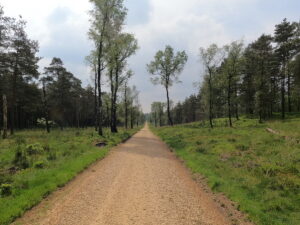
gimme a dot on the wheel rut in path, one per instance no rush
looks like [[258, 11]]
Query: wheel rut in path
[[139, 182]]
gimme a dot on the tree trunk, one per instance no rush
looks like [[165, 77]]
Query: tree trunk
[[229, 100], [46, 109], [236, 104], [126, 107], [210, 101], [13, 102], [4, 135], [168, 107], [283, 76], [100, 130], [160, 119], [283, 96], [289, 92], [113, 111], [131, 118], [96, 101]]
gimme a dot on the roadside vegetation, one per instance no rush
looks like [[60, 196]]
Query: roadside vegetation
[[34, 163], [254, 167]]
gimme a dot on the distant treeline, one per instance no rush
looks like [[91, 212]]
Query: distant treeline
[[259, 80], [55, 97]]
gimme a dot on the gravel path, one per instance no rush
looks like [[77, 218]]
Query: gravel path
[[139, 182]]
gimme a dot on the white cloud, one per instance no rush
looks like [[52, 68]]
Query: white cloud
[[60, 26]]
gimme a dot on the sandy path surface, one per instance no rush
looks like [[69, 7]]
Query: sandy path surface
[[139, 182]]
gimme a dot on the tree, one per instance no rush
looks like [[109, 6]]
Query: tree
[[157, 111], [45, 80], [107, 19], [211, 58], [22, 62], [247, 85], [166, 68], [4, 117], [4, 44], [134, 104], [123, 46], [92, 61], [126, 97], [232, 66], [64, 91], [263, 54], [285, 35]]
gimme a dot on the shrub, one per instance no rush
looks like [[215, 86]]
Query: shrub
[[21, 159], [39, 165], [46, 148], [20, 140], [242, 147], [5, 178], [52, 156], [34, 149], [5, 189], [199, 142], [201, 150], [231, 139], [213, 141]]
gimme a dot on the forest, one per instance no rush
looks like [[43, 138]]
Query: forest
[[52, 97], [240, 131], [260, 80], [227, 154], [52, 126]]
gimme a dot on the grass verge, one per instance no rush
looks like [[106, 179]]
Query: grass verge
[[257, 169], [33, 164]]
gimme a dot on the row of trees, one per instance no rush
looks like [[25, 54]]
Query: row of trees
[[259, 80], [53, 97], [112, 48]]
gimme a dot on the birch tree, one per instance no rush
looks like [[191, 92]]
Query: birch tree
[[165, 70]]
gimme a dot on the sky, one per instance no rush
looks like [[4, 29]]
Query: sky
[[61, 26]]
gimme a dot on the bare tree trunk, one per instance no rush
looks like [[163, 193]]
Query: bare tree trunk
[[168, 107], [289, 92], [229, 100], [100, 131], [4, 135], [126, 107], [96, 101], [160, 119], [12, 106], [236, 103], [210, 101], [131, 118], [113, 89], [283, 97], [46, 109], [283, 92]]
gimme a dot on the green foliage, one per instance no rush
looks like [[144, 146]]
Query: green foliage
[[5, 190], [257, 169], [39, 164], [34, 149], [21, 159]]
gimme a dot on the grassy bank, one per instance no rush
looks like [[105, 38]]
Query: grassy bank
[[255, 168], [33, 164]]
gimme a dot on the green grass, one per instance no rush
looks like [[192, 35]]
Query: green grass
[[53, 160], [258, 170]]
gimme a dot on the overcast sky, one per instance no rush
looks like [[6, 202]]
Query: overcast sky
[[61, 28]]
